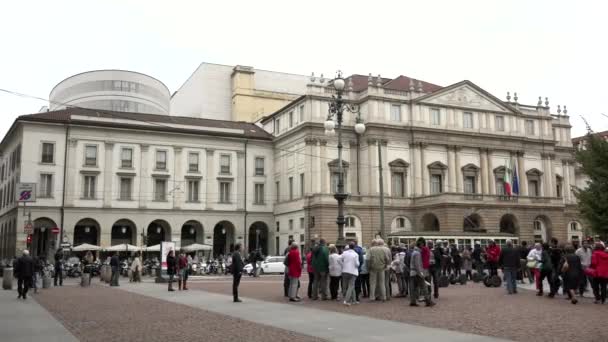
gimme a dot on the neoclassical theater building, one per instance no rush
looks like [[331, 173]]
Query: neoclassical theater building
[[239, 155]]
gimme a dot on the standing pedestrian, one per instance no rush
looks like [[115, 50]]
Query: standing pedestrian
[[546, 270], [171, 268], [115, 266], [335, 272], [136, 269], [397, 270], [358, 284], [418, 275], [286, 279], [320, 263], [237, 271], [556, 254], [523, 261], [434, 255], [311, 271], [294, 265], [509, 261], [477, 263], [572, 272], [467, 262], [584, 253], [364, 275], [492, 255], [350, 271], [599, 267], [378, 261], [182, 266], [387, 270], [58, 277], [534, 264], [24, 269]]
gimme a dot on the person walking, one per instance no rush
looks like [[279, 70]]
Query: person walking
[[115, 266], [526, 272], [509, 261], [171, 268], [584, 253], [24, 269], [572, 272], [546, 270], [237, 272], [311, 272], [534, 264], [58, 277], [350, 271], [556, 254], [294, 266], [136, 269], [335, 272], [467, 262], [492, 255], [320, 264], [434, 255], [599, 267], [418, 275], [378, 261]]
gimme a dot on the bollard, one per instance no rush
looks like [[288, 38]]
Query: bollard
[[7, 279], [46, 282], [85, 280]]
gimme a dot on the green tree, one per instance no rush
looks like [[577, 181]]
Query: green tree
[[593, 200]]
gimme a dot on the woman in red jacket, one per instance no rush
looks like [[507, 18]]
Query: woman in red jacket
[[294, 264], [599, 267], [492, 256]]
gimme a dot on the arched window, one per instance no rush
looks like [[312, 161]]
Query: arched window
[[401, 224]]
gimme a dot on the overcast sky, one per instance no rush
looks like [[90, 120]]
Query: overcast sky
[[536, 48]]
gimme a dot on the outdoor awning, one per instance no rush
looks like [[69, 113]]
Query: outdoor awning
[[123, 247], [86, 247], [197, 247]]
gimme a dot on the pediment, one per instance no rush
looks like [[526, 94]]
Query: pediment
[[466, 95]]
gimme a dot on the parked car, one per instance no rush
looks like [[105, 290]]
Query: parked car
[[272, 264]]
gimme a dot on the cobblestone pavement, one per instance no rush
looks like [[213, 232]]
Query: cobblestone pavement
[[472, 308], [100, 313]]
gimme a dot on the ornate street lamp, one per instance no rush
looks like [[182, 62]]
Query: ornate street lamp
[[336, 110]]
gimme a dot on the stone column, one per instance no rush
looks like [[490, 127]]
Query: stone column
[[108, 173], [316, 167], [416, 170], [424, 172], [451, 186], [179, 185], [240, 181], [551, 176], [566, 183], [372, 167], [310, 159], [385, 168], [353, 175], [210, 181], [72, 176], [547, 186], [523, 178], [483, 161], [145, 182], [459, 187], [490, 173], [324, 174], [572, 177]]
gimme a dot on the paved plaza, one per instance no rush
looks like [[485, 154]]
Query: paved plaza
[[147, 312]]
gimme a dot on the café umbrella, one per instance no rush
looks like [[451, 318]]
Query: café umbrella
[[86, 247], [123, 247], [197, 247]]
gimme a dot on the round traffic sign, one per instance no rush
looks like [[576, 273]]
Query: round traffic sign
[[55, 230]]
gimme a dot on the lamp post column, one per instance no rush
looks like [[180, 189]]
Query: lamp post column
[[340, 195]]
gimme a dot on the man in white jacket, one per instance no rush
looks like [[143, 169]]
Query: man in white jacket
[[350, 271]]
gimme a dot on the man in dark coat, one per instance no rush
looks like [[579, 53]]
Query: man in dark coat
[[509, 261], [286, 274], [237, 272], [25, 271], [171, 268], [58, 268], [115, 266]]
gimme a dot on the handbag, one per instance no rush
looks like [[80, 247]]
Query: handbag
[[532, 263]]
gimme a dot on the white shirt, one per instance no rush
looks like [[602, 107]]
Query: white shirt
[[535, 254], [350, 262], [585, 256], [335, 265]]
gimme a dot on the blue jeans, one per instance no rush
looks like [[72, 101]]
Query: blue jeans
[[511, 279]]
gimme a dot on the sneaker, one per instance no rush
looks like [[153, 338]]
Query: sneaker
[[293, 300], [430, 304], [347, 304], [357, 302]]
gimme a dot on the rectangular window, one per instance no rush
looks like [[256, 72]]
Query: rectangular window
[[193, 186], [436, 184], [126, 157], [90, 155], [193, 162], [301, 223], [161, 160], [530, 127], [395, 113], [225, 164], [48, 153], [335, 179], [467, 118], [290, 188], [400, 222], [160, 189], [89, 187], [500, 187], [558, 190], [469, 185], [277, 187], [224, 192], [350, 222], [500, 123], [290, 224], [259, 194], [301, 113], [46, 185], [302, 185], [125, 188], [533, 189], [435, 117], [278, 226], [277, 126], [398, 184], [290, 119], [259, 166]]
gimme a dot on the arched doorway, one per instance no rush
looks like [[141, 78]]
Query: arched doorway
[[43, 239], [430, 223], [123, 231], [508, 224], [472, 223], [223, 238], [157, 232], [258, 237], [192, 232], [542, 228], [87, 231]]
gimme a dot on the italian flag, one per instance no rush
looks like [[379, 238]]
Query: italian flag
[[507, 178]]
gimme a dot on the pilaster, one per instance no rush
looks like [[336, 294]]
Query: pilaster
[[483, 158], [145, 181], [210, 180], [240, 180], [72, 177], [108, 174], [180, 187], [523, 178]]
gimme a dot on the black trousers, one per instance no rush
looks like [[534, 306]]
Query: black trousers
[[493, 266], [334, 285], [358, 287], [433, 278], [236, 280], [286, 285], [365, 284], [599, 288], [58, 276], [311, 279], [23, 285]]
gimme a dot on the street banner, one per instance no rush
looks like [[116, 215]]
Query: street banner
[[165, 248]]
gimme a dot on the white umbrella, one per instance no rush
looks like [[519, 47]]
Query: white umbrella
[[155, 248], [123, 247], [197, 247], [86, 247]]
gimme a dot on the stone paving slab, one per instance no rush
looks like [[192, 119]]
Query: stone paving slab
[[27, 321], [319, 323]]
